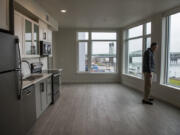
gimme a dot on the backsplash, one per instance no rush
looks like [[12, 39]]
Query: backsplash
[[43, 60]]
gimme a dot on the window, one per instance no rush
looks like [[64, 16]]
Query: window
[[83, 56], [138, 39], [83, 35], [135, 32], [103, 36], [172, 72], [98, 54], [103, 58], [135, 57]]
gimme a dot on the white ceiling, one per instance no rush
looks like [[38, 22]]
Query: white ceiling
[[104, 13]]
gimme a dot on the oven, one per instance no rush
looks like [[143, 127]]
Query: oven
[[55, 86], [56, 82]]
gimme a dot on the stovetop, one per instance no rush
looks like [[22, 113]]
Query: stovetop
[[53, 71]]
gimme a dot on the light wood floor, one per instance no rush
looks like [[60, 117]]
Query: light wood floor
[[106, 109]]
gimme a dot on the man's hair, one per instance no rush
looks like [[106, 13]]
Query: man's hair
[[153, 44]]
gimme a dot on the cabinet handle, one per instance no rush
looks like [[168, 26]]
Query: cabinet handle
[[42, 87]]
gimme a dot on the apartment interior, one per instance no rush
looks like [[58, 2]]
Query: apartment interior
[[75, 67]]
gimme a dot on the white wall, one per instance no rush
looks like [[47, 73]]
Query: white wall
[[165, 93], [65, 56]]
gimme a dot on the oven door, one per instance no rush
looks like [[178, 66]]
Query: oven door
[[56, 83]]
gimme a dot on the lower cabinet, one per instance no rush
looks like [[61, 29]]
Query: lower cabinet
[[43, 95]]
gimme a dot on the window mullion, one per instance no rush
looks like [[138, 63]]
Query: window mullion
[[167, 50], [144, 37], [127, 56], [89, 52]]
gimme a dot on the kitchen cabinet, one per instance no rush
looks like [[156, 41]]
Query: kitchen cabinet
[[49, 35], [30, 33], [38, 100], [43, 95], [19, 27], [31, 38], [41, 105], [43, 31], [27, 31], [4, 14]]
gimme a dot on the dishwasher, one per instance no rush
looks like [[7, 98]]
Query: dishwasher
[[28, 108]]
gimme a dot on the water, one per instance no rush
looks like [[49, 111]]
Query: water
[[174, 70]]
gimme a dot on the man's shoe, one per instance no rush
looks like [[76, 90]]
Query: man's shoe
[[147, 102], [151, 99]]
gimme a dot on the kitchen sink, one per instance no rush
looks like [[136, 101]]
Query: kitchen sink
[[32, 77]]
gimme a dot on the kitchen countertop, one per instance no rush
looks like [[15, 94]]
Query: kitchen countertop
[[27, 83]]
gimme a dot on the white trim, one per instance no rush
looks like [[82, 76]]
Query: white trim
[[171, 11], [90, 41], [133, 76], [95, 73], [125, 46], [170, 86], [165, 57]]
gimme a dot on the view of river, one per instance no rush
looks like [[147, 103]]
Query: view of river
[[174, 70]]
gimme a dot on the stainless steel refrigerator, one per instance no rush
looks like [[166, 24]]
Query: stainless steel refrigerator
[[10, 86]]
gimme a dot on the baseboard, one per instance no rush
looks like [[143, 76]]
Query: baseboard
[[156, 97]]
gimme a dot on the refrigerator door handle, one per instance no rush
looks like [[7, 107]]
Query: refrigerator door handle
[[18, 54], [19, 90], [18, 69]]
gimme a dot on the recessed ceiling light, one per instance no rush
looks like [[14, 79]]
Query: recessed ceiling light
[[63, 11]]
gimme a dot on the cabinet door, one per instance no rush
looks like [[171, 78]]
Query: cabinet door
[[36, 40], [4, 14], [49, 91], [49, 35], [18, 25], [28, 38], [43, 31], [43, 95], [38, 100]]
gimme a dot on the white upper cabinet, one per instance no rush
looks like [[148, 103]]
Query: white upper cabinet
[[45, 32], [49, 35], [31, 38], [28, 33], [4, 14], [19, 28]]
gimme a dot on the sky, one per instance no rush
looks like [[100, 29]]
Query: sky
[[175, 33]]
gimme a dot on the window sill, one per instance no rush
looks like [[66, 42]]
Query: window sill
[[170, 86], [133, 76], [97, 73]]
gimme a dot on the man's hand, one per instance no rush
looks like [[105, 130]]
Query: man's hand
[[150, 74]]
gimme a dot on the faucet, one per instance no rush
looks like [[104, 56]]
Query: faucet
[[29, 65]]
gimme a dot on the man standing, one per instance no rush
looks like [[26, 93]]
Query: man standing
[[148, 69]]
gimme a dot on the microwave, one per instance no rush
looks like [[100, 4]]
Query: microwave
[[45, 48]]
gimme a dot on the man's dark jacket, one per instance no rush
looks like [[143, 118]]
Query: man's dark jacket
[[148, 61]]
